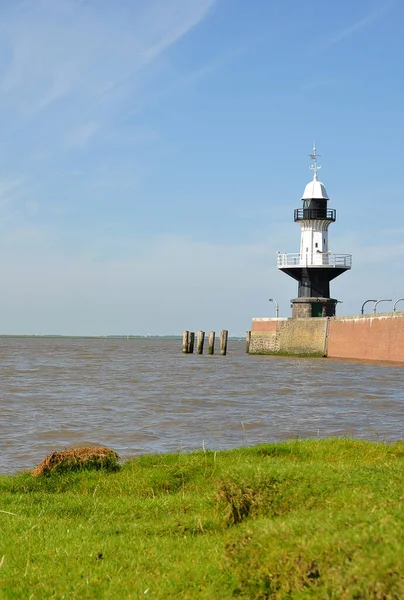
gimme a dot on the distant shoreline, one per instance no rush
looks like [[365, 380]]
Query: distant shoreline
[[98, 337], [95, 337]]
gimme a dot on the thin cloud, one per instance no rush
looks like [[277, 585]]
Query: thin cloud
[[80, 137], [64, 49], [72, 69], [357, 26], [9, 185], [59, 60]]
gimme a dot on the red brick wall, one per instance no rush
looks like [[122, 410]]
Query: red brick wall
[[264, 325], [367, 338]]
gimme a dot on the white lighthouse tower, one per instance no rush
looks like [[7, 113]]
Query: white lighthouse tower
[[314, 266]]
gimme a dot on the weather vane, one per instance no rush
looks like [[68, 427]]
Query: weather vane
[[314, 167]]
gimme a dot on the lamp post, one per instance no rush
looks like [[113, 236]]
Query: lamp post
[[363, 305], [378, 302], [396, 302], [276, 306]]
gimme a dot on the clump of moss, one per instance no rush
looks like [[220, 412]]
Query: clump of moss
[[239, 500], [78, 459]]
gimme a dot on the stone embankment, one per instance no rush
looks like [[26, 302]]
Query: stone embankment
[[378, 337]]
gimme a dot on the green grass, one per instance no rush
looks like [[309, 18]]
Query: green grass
[[302, 519]]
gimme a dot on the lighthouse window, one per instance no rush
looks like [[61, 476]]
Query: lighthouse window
[[324, 240], [316, 245]]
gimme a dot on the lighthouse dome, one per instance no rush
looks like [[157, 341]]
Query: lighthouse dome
[[315, 190]]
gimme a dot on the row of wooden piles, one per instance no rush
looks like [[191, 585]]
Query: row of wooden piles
[[188, 341]]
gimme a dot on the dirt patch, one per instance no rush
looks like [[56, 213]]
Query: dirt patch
[[77, 459]]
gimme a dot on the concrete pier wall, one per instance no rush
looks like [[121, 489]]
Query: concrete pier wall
[[289, 336], [377, 337]]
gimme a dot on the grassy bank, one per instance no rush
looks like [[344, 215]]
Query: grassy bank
[[303, 519]]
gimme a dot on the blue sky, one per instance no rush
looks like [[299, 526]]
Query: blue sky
[[152, 153]]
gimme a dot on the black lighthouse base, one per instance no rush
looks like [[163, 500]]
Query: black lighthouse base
[[314, 282], [305, 307]]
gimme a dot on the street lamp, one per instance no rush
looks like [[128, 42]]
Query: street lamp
[[276, 306], [363, 305], [378, 302], [396, 302]]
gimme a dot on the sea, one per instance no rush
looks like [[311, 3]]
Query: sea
[[141, 396]]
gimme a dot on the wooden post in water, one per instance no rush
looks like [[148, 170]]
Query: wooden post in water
[[191, 340], [223, 342], [247, 342], [211, 343], [185, 342], [200, 342]]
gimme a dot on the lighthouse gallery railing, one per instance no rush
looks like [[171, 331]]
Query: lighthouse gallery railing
[[317, 259], [315, 214]]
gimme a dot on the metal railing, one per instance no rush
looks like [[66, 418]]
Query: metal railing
[[315, 214], [317, 259]]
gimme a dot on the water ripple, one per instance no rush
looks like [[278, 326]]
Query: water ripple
[[145, 396]]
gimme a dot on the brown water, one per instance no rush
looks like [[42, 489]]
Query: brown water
[[141, 396]]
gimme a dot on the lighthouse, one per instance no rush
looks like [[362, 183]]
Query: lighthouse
[[315, 265]]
